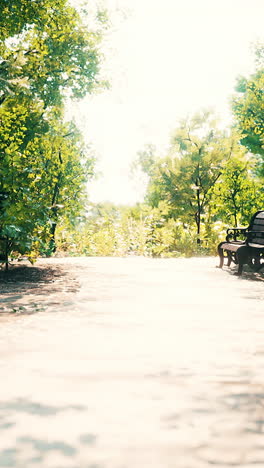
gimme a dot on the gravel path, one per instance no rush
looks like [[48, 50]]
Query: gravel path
[[131, 363]]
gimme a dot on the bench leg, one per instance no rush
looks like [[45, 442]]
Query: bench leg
[[229, 258], [242, 258], [221, 256]]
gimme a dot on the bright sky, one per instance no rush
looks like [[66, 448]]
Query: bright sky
[[165, 59]]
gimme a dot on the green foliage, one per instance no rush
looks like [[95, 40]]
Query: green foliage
[[248, 107], [185, 177], [141, 230], [43, 178], [45, 54], [46, 51], [237, 195]]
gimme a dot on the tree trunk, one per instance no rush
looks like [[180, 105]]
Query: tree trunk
[[52, 242], [235, 216], [6, 252], [198, 215]]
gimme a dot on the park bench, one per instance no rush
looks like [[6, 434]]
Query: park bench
[[244, 245]]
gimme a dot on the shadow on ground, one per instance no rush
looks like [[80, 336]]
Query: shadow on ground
[[28, 289], [29, 449], [22, 278], [247, 274]]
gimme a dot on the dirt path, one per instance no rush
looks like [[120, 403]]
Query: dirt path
[[131, 363]]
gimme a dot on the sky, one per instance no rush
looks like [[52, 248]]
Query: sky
[[165, 59]]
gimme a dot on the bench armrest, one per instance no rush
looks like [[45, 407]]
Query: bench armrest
[[234, 233]]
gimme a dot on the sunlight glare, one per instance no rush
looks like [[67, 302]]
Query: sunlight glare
[[164, 60]]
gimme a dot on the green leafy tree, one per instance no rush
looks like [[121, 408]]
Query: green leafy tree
[[46, 53], [237, 194], [185, 177], [42, 184], [248, 107]]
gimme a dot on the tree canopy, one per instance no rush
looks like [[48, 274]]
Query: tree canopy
[[248, 107], [46, 50]]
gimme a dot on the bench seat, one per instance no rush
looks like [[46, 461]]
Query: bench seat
[[232, 246]]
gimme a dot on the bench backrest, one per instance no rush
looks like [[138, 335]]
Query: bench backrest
[[257, 224]]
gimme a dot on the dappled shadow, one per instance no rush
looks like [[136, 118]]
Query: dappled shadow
[[43, 446], [250, 427], [250, 403], [26, 289], [247, 274], [29, 451], [235, 424], [253, 276], [27, 448], [22, 405], [21, 278]]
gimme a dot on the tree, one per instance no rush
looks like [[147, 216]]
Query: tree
[[248, 107], [45, 54], [46, 51], [43, 183], [185, 177], [236, 195]]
